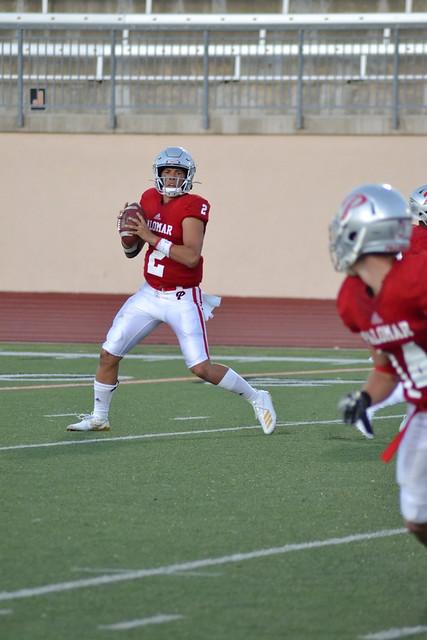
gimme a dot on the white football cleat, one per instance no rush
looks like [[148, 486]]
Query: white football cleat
[[264, 411], [365, 428], [90, 423]]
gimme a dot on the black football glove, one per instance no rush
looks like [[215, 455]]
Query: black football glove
[[353, 410]]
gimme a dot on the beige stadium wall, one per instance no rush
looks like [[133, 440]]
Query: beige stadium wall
[[272, 198]]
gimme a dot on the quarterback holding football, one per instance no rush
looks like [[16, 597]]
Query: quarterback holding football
[[171, 222]]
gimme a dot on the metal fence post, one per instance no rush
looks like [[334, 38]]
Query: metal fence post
[[300, 103], [395, 105], [113, 119], [20, 69], [206, 80]]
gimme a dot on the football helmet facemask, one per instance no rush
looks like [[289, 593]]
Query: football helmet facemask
[[174, 157], [418, 204], [374, 218]]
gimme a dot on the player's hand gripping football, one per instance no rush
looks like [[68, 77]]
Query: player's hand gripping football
[[132, 242], [135, 223], [353, 410], [129, 217]]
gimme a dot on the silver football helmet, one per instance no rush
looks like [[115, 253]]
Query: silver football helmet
[[418, 204], [174, 157], [374, 218]]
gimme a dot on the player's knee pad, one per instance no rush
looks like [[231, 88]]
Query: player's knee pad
[[114, 342]]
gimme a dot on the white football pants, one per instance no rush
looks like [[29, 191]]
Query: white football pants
[[411, 468], [181, 309]]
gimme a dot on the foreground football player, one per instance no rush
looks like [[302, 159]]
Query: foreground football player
[[385, 300], [173, 226], [418, 209]]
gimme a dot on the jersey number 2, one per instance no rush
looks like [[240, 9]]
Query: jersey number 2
[[153, 265]]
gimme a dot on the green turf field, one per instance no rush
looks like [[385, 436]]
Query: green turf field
[[187, 522]]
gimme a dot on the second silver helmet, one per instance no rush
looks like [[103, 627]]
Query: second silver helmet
[[418, 203], [374, 218]]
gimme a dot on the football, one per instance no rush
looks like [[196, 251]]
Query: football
[[129, 239]]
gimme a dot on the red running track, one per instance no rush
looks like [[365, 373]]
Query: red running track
[[267, 322]]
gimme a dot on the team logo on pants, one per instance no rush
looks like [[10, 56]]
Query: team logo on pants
[[179, 294]]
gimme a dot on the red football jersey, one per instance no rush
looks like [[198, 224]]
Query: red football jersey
[[395, 321], [165, 220], [418, 239]]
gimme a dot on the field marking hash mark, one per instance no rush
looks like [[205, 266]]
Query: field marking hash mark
[[160, 618]]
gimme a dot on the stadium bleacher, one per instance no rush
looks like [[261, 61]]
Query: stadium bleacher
[[295, 62], [215, 6]]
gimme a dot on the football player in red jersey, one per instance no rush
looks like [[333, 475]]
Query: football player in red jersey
[[385, 301], [173, 227], [418, 209]]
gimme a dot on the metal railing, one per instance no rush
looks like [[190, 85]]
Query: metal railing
[[203, 65]]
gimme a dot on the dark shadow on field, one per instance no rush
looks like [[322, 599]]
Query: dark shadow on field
[[346, 449]]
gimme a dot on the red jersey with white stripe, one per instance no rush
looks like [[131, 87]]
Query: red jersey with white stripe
[[165, 220], [418, 239], [394, 322]]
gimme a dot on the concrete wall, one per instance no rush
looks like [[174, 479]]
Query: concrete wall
[[261, 123], [272, 199]]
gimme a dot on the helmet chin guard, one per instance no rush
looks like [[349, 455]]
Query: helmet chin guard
[[373, 219], [177, 158]]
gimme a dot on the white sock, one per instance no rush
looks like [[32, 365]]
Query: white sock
[[102, 394], [236, 384]]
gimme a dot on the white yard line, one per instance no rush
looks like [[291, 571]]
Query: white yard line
[[149, 436], [392, 634], [103, 570], [59, 587], [161, 618], [191, 418], [48, 377], [165, 357], [64, 443], [5, 612], [72, 385]]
